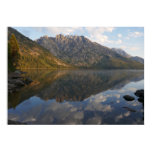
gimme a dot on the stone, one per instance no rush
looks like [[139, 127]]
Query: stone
[[11, 81], [128, 98], [16, 81], [17, 72], [19, 83], [15, 76], [139, 93], [28, 81], [141, 99], [11, 86]]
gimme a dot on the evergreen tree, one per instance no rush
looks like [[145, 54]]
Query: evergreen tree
[[10, 62], [13, 51]]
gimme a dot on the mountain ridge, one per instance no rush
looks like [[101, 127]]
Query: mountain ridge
[[123, 53], [82, 52]]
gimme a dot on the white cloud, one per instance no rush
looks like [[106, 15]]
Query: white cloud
[[134, 48], [136, 34], [123, 47], [63, 30], [97, 34], [118, 42], [99, 29], [119, 35], [53, 31]]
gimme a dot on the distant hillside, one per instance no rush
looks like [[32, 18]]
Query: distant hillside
[[138, 59], [33, 55], [81, 52], [123, 53]]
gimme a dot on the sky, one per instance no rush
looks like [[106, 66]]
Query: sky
[[130, 39]]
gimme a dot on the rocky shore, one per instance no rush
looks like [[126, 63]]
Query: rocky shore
[[138, 93], [16, 80]]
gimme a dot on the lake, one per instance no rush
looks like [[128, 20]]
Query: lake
[[78, 97]]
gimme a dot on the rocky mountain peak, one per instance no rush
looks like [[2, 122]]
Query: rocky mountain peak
[[82, 52], [71, 38], [59, 36]]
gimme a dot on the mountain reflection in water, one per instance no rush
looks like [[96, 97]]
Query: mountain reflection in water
[[78, 97]]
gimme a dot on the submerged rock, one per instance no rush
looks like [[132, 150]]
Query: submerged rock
[[128, 98], [129, 109]]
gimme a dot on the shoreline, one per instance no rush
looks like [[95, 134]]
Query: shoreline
[[16, 80]]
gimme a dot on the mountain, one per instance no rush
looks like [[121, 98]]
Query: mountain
[[81, 52], [33, 55], [138, 59], [123, 53]]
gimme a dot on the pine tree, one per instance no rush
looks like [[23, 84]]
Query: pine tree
[[10, 62], [13, 50]]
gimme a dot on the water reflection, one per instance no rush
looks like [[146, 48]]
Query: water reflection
[[78, 97]]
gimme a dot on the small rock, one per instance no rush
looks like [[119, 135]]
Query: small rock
[[19, 83], [17, 72], [141, 99], [128, 98], [11, 86], [11, 81], [27, 81], [16, 76], [139, 93]]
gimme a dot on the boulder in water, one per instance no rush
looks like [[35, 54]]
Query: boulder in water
[[139, 93], [128, 98]]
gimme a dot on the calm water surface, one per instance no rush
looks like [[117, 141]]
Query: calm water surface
[[78, 97]]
